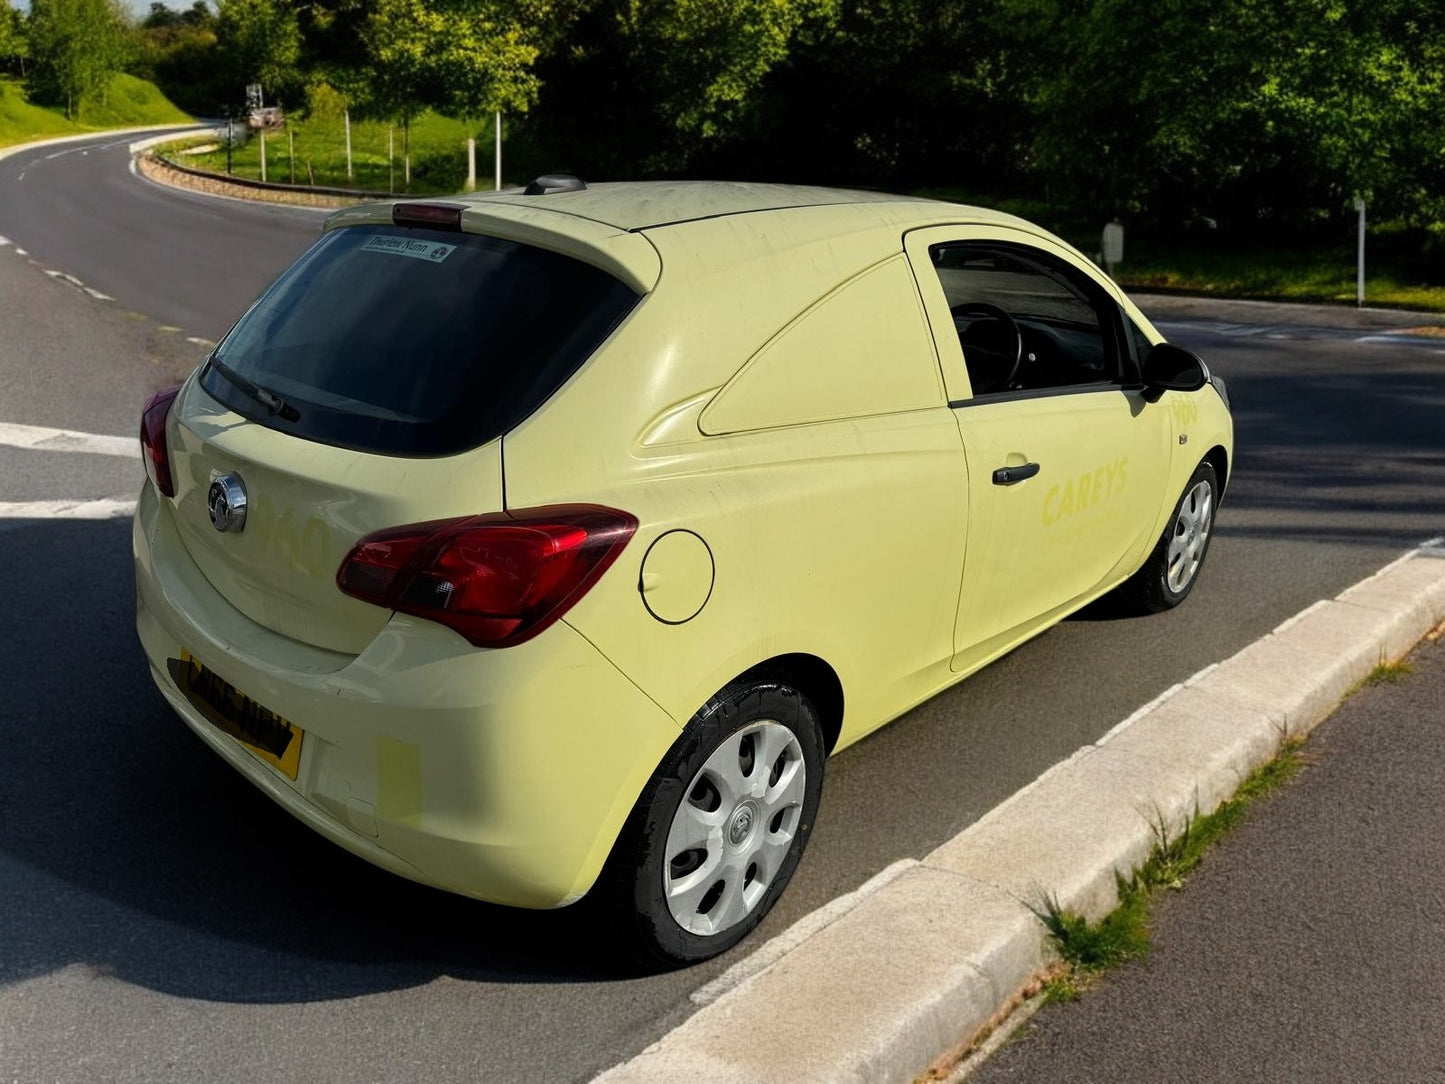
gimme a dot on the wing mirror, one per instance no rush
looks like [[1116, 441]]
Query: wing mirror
[[1172, 368]]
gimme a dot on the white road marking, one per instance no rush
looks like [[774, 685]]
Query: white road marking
[[199, 341], [100, 508], [93, 292], [21, 252], [44, 439], [4, 241], [61, 276]]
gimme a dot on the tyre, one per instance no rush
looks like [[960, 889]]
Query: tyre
[[1173, 567], [715, 836]]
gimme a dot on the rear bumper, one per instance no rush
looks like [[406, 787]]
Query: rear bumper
[[504, 775]]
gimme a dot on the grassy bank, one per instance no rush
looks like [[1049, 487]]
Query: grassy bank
[[127, 102], [1314, 275], [312, 151], [1225, 265]]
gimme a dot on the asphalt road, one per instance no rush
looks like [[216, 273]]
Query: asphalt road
[[160, 920], [188, 261], [1308, 946]]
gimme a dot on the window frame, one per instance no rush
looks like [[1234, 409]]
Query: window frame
[[1052, 260]]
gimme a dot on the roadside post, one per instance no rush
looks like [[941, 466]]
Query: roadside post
[[262, 133], [291, 151], [471, 163], [1113, 244], [230, 139], [346, 119], [1360, 257], [498, 141]]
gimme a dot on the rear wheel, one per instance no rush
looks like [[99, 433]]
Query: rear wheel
[[715, 837], [1173, 567]]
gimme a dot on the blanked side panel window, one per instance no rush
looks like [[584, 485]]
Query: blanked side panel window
[[864, 349]]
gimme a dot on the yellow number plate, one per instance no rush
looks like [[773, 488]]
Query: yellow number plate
[[270, 737]]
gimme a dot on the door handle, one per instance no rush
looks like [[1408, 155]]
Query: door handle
[[1007, 476]]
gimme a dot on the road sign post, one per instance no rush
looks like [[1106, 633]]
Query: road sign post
[[1113, 245], [1360, 257]]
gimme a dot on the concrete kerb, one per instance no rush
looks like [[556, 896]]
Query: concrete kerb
[[925, 962]]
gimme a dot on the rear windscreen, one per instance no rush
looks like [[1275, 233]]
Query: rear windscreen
[[413, 342]]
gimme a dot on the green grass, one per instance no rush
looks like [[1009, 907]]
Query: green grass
[[1088, 948], [1225, 266], [130, 102], [20, 121], [438, 155], [1386, 673], [1313, 275], [127, 102]]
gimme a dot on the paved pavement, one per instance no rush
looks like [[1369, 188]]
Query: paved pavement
[[1309, 946]]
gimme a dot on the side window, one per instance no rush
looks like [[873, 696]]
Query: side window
[[1027, 322]]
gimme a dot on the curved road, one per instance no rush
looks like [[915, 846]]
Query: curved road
[[161, 920], [190, 261]]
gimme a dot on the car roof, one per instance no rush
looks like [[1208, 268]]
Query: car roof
[[622, 226], [645, 205]]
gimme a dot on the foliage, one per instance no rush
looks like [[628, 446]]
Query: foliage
[[464, 57], [1247, 112], [259, 41], [649, 85], [77, 45], [14, 45], [177, 51]]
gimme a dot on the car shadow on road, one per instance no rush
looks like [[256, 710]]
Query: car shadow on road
[[128, 847]]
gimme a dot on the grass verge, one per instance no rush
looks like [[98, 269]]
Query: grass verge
[[126, 103], [312, 151], [1320, 275], [1089, 948]]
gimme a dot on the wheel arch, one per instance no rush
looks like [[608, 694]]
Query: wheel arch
[[1218, 458], [813, 677]]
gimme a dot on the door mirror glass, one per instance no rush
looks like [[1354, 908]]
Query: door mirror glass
[[1173, 368]]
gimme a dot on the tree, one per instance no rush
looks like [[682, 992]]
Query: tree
[[464, 57], [14, 46], [178, 52], [1252, 112], [77, 45], [259, 41], [652, 84]]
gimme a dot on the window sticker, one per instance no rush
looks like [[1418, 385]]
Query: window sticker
[[430, 251]]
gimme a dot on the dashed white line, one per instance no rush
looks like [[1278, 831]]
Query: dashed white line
[[93, 292], [62, 276], [42, 438]]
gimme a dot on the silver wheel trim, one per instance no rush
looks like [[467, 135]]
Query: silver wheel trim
[[1191, 534], [733, 828]]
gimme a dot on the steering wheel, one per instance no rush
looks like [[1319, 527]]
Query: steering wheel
[[1009, 361]]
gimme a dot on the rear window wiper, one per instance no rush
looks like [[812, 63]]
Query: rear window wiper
[[268, 399]]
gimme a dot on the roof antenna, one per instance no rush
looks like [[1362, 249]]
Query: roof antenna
[[548, 183]]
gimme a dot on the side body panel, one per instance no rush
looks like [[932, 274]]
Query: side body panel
[[841, 538]]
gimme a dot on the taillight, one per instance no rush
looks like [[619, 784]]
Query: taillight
[[497, 579], [153, 439]]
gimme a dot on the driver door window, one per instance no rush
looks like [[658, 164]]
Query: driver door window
[[1024, 324]]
